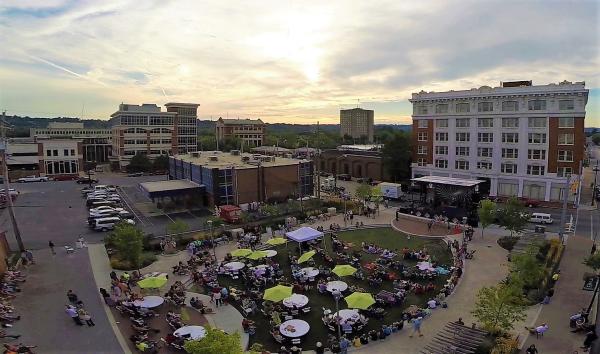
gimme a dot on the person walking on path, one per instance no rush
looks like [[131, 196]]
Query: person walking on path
[[29, 256], [217, 298], [85, 316], [51, 245], [416, 323], [531, 350], [72, 312], [593, 249]]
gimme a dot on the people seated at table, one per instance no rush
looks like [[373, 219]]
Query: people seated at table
[[364, 339], [429, 287], [418, 289], [173, 339], [249, 326], [432, 304], [198, 304], [397, 326], [373, 336]]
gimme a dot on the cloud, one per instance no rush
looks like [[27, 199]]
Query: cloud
[[293, 60]]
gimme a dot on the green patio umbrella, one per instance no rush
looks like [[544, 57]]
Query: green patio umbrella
[[257, 255], [277, 293], [306, 256], [152, 282], [344, 270], [359, 300], [242, 252], [276, 241]]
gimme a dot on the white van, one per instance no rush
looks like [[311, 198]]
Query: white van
[[105, 224], [541, 218]]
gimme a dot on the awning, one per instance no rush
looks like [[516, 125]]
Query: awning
[[170, 188], [448, 181], [304, 234]]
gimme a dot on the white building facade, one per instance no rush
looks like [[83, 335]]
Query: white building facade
[[524, 140]]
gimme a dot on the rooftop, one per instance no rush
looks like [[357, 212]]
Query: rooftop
[[177, 104], [241, 121], [366, 147], [168, 186], [219, 159], [448, 181]]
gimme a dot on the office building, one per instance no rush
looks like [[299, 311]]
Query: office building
[[146, 129], [357, 161], [250, 131], [523, 140], [240, 178], [358, 124], [96, 142]]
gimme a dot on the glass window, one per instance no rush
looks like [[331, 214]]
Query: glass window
[[462, 151], [422, 150], [484, 152], [510, 122], [565, 105], [441, 163], [537, 138], [461, 165], [441, 150], [423, 123], [463, 107], [421, 109], [441, 108], [485, 106], [537, 105], [485, 122], [484, 165], [48, 152], [566, 139], [535, 154], [463, 137], [565, 155], [66, 152], [510, 153], [564, 171], [566, 122], [421, 162], [422, 136], [537, 122], [509, 168], [441, 136], [510, 137], [510, 106], [535, 170], [441, 123], [55, 152], [72, 152], [462, 122], [485, 137]]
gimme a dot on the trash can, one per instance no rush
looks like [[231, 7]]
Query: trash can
[[540, 229]]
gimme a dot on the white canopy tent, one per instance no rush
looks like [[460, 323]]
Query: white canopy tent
[[304, 234]]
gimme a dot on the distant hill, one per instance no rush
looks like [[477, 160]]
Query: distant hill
[[21, 125], [304, 128]]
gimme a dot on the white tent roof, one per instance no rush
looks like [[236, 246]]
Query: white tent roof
[[303, 234]]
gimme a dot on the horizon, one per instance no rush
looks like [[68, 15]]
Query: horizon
[[285, 62]]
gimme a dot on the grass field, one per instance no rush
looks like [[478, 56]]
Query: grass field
[[383, 237]]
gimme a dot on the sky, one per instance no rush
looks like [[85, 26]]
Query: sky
[[285, 61]]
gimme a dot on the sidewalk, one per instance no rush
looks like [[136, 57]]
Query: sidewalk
[[568, 299]]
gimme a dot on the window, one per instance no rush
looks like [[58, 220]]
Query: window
[[510, 137], [485, 106], [441, 136], [421, 162], [535, 170], [441, 108], [441, 150], [510, 106], [534, 154], [510, 122], [55, 152], [462, 122], [564, 171], [485, 152], [441, 163], [157, 120], [484, 165], [129, 142], [422, 136], [72, 152], [566, 139], [463, 107], [66, 152], [485, 122], [565, 155], [461, 165], [510, 153], [48, 153], [566, 122], [422, 123], [509, 168], [565, 105], [537, 123], [463, 136], [462, 151], [421, 109], [485, 137], [141, 141], [441, 123], [537, 105], [537, 138], [422, 150]]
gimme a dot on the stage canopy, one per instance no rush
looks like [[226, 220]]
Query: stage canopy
[[304, 234]]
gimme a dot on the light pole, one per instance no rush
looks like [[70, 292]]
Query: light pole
[[345, 197], [212, 240], [336, 296], [596, 169]]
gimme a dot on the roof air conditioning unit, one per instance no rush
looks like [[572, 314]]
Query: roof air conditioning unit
[[235, 152], [245, 158], [195, 154], [213, 158]]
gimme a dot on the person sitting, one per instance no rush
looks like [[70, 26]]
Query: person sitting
[[248, 325], [373, 335], [364, 339], [387, 330], [432, 304], [430, 287]]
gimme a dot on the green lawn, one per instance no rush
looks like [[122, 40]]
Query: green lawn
[[384, 237]]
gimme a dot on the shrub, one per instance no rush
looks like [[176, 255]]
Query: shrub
[[508, 242]]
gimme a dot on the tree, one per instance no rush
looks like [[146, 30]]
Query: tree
[[512, 216], [499, 307], [525, 268], [129, 241], [596, 139], [593, 261], [487, 214], [363, 191], [161, 163], [396, 155], [215, 341], [178, 227], [139, 163]]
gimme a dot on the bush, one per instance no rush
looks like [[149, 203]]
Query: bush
[[508, 242], [118, 263]]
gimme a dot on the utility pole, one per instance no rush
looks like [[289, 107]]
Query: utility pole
[[563, 214], [11, 211], [317, 159]]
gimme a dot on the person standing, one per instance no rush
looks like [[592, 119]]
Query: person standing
[[344, 345], [416, 323], [72, 312], [51, 245], [531, 350], [29, 256], [217, 298], [593, 249]]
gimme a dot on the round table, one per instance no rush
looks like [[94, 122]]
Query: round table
[[296, 300], [294, 328], [234, 266], [149, 302], [310, 272], [348, 314], [336, 285], [271, 253], [195, 332]]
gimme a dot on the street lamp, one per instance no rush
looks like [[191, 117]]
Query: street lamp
[[345, 197], [212, 240], [596, 169], [337, 295]]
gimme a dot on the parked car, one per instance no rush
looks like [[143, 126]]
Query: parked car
[[33, 179], [530, 203], [64, 177], [105, 224], [11, 191], [135, 174], [85, 180], [344, 177], [102, 208], [541, 218]]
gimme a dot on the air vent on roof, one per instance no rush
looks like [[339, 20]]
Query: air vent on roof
[[213, 158], [235, 152], [195, 154], [265, 158], [245, 158]]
